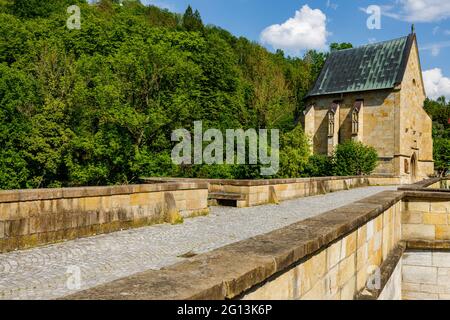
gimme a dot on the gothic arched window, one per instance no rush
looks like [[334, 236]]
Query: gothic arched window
[[330, 123]]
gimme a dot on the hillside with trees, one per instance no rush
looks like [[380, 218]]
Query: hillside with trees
[[96, 106]]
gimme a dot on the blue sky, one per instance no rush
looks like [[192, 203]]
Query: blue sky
[[316, 23]]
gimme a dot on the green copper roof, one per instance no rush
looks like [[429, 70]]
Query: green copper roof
[[370, 67]]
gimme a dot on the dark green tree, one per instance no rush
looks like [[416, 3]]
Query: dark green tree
[[192, 20]]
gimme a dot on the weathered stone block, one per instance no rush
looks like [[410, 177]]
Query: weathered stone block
[[362, 236], [411, 217], [443, 232], [440, 206], [348, 291], [441, 260], [331, 283], [418, 231], [346, 270], [420, 274], [410, 295], [92, 204], [350, 244], [2, 229], [407, 286], [334, 254], [317, 292], [362, 255], [435, 218], [418, 206], [417, 258]]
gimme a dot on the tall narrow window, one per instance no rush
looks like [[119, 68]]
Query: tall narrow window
[[355, 117], [330, 123], [331, 117], [355, 122]]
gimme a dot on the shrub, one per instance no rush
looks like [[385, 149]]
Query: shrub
[[294, 153], [354, 158], [319, 166]]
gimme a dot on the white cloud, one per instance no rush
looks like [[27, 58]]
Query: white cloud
[[332, 5], [420, 10], [436, 85], [436, 48], [306, 30]]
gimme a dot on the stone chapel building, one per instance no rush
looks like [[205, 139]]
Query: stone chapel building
[[374, 94]]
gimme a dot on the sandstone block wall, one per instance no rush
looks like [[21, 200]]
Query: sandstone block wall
[[257, 193], [426, 219], [34, 217], [342, 270], [426, 275]]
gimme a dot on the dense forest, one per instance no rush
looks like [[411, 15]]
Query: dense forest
[[97, 105]]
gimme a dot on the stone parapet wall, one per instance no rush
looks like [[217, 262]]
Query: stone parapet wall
[[426, 216], [258, 192], [34, 217], [328, 256], [343, 269]]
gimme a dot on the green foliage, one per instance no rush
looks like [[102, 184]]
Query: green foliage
[[319, 166], [39, 8], [340, 46], [294, 153], [192, 20], [439, 112], [354, 158], [97, 106], [442, 155]]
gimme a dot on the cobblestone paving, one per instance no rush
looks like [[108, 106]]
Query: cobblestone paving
[[50, 272]]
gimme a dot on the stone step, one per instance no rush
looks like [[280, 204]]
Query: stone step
[[226, 199], [226, 196]]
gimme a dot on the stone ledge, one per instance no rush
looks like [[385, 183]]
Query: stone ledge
[[422, 185], [427, 194], [67, 193], [251, 183], [228, 272], [428, 245]]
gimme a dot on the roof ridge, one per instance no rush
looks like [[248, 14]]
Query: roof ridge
[[370, 44]]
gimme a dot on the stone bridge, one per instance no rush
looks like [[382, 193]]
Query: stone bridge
[[261, 251]]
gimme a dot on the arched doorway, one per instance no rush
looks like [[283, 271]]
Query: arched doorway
[[413, 167]]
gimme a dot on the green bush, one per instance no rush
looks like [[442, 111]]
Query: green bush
[[442, 155], [294, 153], [354, 158], [319, 166]]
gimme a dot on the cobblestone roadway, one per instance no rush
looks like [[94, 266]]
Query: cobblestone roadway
[[48, 272]]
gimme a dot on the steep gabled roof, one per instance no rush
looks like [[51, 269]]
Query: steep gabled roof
[[370, 67]]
